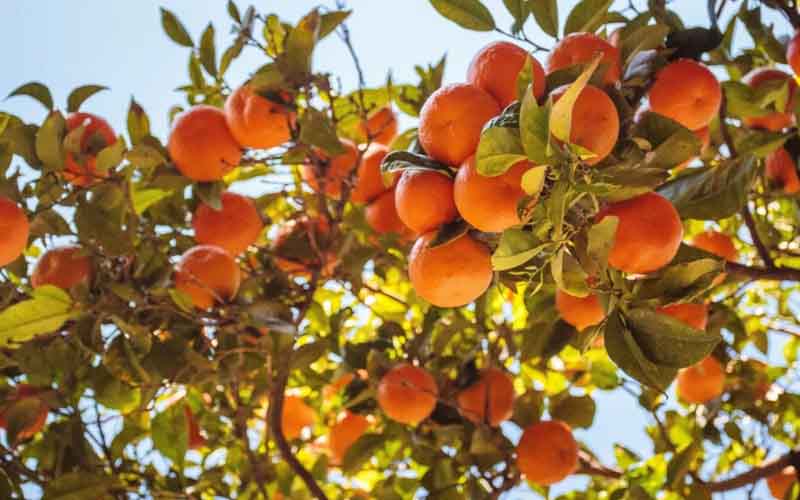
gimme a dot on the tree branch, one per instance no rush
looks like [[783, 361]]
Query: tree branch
[[756, 473], [763, 251], [788, 9], [762, 273]]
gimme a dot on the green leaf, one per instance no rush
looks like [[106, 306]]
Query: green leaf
[[308, 353], [38, 91], [516, 247], [577, 411], [111, 156], [174, 29], [80, 94], [534, 128], [601, 239], [683, 279], [524, 79], [80, 486], [532, 181], [741, 101], [145, 198], [499, 148], [331, 20], [101, 219], [519, 11], [671, 142], [528, 408], [626, 353], [295, 61], [712, 192], [144, 156], [233, 11], [361, 451], [208, 51], [50, 142], [587, 15], [317, 129], [760, 143], [196, 72], [210, 193], [546, 14], [46, 311], [229, 55], [667, 341], [647, 37], [115, 394], [561, 115], [469, 14], [681, 463], [170, 433], [138, 123]]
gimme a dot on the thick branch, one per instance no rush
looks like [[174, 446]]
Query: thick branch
[[760, 273], [755, 474]]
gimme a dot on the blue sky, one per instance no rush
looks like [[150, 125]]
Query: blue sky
[[119, 44]]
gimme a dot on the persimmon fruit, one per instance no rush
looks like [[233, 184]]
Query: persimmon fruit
[[595, 122], [382, 215], [407, 394], [202, 146], [775, 120], [547, 452], [296, 416], [489, 203], [369, 182], [424, 199], [687, 92], [296, 245], [580, 312], [233, 228], [348, 428], [15, 229], [694, 315], [380, 126], [720, 244], [582, 48], [335, 173], [782, 171], [779, 484], [81, 169], [64, 267], [255, 121], [490, 399], [208, 275], [701, 382], [496, 67]]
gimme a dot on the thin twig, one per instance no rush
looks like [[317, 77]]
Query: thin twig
[[763, 251]]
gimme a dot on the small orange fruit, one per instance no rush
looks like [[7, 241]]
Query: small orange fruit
[[336, 172], [15, 230], [547, 452], [381, 126], [702, 382], [493, 392], [580, 312], [208, 274], [720, 244], [234, 228], [489, 203], [648, 234], [255, 121], [202, 146], [782, 170], [81, 170], [369, 179], [64, 267], [688, 92], [407, 394], [779, 484], [348, 428], [450, 275], [774, 121], [595, 121], [451, 121], [424, 199], [694, 315], [382, 216], [582, 48], [296, 416], [495, 69]]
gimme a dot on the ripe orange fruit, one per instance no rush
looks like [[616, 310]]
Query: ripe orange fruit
[[793, 53], [489, 203], [781, 170], [195, 440], [779, 484], [296, 416], [720, 244], [381, 126], [208, 274], [595, 121], [15, 230], [369, 179], [295, 251], [581, 48], [234, 228], [580, 312], [336, 172], [348, 428], [451, 121], [202, 146], [686, 91], [694, 315], [547, 452], [705, 140], [35, 409], [701, 382], [255, 121], [81, 170], [494, 391], [64, 267], [495, 69], [407, 394], [450, 275], [382, 216], [776, 120], [648, 234], [424, 199]]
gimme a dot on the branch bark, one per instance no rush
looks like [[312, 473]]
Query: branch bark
[[762, 273]]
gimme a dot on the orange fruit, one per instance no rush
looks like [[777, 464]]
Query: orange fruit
[[208, 274], [336, 171], [369, 179], [407, 394], [255, 121], [648, 236], [494, 391], [779, 484], [582, 48], [580, 312], [296, 252], [686, 91], [705, 140], [451, 121], [450, 275], [196, 439], [595, 121], [382, 216], [782, 171], [25, 394], [701, 382], [348, 428], [720, 244], [775, 120], [547, 452], [495, 69], [793, 53], [81, 170], [15, 230], [381, 126], [202, 146], [64, 267], [694, 315], [296, 416], [424, 199], [489, 203], [234, 228]]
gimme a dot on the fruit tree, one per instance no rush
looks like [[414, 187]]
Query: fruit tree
[[415, 289]]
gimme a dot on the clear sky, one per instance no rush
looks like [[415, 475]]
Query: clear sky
[[120, 44]]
